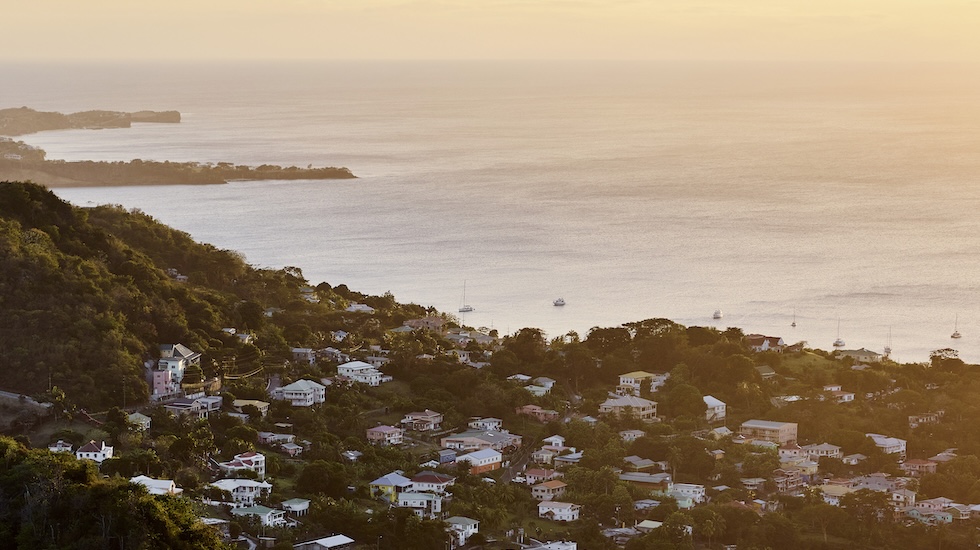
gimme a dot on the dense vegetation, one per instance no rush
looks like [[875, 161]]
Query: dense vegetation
[[52, 500]]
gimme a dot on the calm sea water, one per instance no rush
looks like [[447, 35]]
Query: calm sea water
[[843, 194]]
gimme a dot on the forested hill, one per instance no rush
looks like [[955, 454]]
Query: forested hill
[[88, 295]]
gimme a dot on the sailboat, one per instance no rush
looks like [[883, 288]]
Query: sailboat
[[888, 347], [718, 314], [956, 333], [793, 324], [838, 343], [464, 308]]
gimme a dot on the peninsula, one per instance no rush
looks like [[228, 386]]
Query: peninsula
[[20, 161]]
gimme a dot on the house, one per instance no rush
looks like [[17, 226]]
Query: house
[[388, 486], [477, 439], [431, 482], [629, 436], [781, 433], [555, 442], [916, 467], [519, 378], [240, 404], [558, 511], [250, 461], [157, 486], [333, 542], [833, 493], [637, 464], [446, 456], [657, 483], [431, 322], [292, 449], [296, 506], [139, 421], [537, 391], [861, 355], [766, 372], [385, 435], [539, 414], [60, 447], [90, 451], [270, 438], [486, 424], [424, 421], [362, 372], [268, 517], [462, 528], [545, 382], [715, 409], [889, 445], [303, 355], [548, 490], [692, 491], [630, 406], [854, 459], [533, 476], [816, 452], [243, 491], [566, 460], [629, 383], [424, 505], [169, 373], [787, 480], [484, 460], [199, 406], [917, 420], [760, 343], [720, 433], [544, 455], [359, 308], [301, 393]]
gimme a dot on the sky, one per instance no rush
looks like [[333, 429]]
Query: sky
[[824, 30]]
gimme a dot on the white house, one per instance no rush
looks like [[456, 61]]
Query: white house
[[815, 452], [462, 528], [243, 491], [425, 505], [889, 445], [428, 481], [333, 542], [362, 372], [60, 447], [715, 411], [246, 461], [296, 506], [91, 451], [140, 421], [484, 460], [692, 491], [489, 424], [629, 383], [157, 486], [558, 511], [269, 517], [301, 393], [174, 360], [385, 435]]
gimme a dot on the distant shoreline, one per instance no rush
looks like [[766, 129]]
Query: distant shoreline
[[22, 162]]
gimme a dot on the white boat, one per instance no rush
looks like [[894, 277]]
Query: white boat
[[464, 308], [956, 333], [793, 324], [559, 302], [718, 314], [888, 347], [838, 343]]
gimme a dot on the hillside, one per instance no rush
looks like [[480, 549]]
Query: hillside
[[87, 298]]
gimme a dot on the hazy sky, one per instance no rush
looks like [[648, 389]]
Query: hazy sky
[[491, 29]]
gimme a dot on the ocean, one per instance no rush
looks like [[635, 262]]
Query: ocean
[[844, 197]]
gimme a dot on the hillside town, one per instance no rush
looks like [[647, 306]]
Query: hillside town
[[285, 415]]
